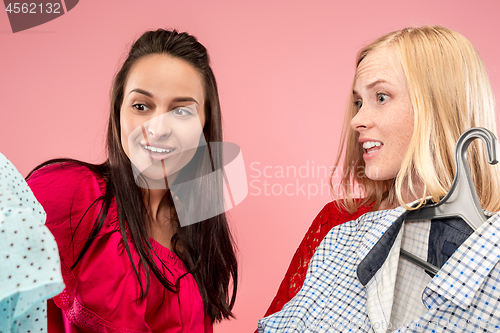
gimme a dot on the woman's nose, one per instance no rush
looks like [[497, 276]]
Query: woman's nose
[[362, 120], [158, 127]]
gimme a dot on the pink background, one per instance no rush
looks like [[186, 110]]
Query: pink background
[[284, 70]]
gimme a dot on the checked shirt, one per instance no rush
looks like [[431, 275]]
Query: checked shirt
[[350, 283]]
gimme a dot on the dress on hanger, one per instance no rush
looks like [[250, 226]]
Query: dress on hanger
[[29, 261]]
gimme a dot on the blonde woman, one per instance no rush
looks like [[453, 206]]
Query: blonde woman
[[415, 92]]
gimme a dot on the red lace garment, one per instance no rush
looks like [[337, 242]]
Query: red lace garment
[[329, 217]]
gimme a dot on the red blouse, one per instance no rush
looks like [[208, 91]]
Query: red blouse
[[329, 217], [102, 292]]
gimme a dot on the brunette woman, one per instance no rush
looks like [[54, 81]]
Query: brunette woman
[[130, 262]]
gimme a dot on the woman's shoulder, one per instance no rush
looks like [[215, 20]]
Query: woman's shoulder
[[341, 223], [68, 171], [332, 215], [65, 189], [335, 212], [64, 179]]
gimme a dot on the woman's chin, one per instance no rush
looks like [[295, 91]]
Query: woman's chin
[[151, 183], [155, 179]]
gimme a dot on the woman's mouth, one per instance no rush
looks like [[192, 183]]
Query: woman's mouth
[[157, 153], [372, 146]]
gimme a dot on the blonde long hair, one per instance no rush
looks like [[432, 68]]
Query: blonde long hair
[[450, 92]]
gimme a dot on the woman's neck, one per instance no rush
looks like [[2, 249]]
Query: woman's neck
[[152, 200], [408, 196], [160, 224]]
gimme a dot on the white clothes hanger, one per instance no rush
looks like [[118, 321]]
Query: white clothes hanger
[[461, 200]]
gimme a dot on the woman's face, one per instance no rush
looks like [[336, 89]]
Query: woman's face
[[162, 115], [384, 119]]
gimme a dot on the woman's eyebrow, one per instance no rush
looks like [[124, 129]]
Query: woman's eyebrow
[[140, 91], [184, 99], [175, 100], [371, 85], [374, 83]]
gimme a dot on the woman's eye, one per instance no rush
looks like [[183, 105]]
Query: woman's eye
[[358, 104], [382, 98], [140, 107], [182, 112]]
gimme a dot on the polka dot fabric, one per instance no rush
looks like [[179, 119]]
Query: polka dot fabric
[[29, 261]]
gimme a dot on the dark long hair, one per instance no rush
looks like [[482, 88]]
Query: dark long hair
[[208, 249]]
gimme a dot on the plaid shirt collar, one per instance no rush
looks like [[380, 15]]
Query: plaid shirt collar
[[378, 241]]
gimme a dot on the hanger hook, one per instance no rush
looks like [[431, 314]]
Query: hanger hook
[[463, 191], [461, 200], [490, 142]]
